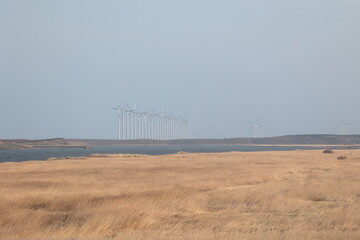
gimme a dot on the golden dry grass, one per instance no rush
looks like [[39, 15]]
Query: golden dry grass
[[264, 195]]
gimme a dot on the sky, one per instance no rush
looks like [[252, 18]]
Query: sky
[[294, 65]]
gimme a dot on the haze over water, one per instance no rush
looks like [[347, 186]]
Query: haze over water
[[292, 64]]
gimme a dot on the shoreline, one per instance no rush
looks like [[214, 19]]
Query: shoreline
[[179, 145], [152, 150], [290, 140]]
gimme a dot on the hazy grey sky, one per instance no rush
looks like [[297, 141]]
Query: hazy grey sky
[[293, 63]]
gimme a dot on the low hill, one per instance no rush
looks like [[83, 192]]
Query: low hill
[[19, 144]]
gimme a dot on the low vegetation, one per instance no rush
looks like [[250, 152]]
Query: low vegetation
[[264, 195]]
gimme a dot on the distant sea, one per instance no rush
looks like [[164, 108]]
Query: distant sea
[[44, 154]]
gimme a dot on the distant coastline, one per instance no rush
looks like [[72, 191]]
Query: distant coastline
[[22, 144], [291, 140]]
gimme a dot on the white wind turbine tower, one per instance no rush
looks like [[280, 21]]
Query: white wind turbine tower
[[139, 116], [135, 127], [126, 123], [186, 129], [259, 130], [151, 125], [162, 126], [344, 128], [144, 125], [120, 110], [169, 127], [255, 127], [152, 121], [157, 126], [263, 131], [118, 127], [169, 122], [178, 121], [131, 115]]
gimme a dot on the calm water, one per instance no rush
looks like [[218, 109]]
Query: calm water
[[44, 154]]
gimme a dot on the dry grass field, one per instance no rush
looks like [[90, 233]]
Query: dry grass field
[[263, 195]]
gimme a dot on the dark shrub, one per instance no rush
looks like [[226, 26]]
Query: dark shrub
[[341, 157], [328, 151]]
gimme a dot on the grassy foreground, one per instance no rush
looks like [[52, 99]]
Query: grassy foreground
[[264, 195]]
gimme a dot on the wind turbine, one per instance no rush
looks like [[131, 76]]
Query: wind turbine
[[139, 114], [118, 132], [177, 127], [143, 124], [151, 115], [162, 125], [263, 131], [135, 112], [344, 127], [156, 126], [120, 111], [258, 129], [130, 114], [255, 128]]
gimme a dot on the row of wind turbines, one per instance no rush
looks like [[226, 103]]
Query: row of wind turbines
[[344, 128], [258, 129], [136, 124]]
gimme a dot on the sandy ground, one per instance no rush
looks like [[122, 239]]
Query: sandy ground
[[263, 195]]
